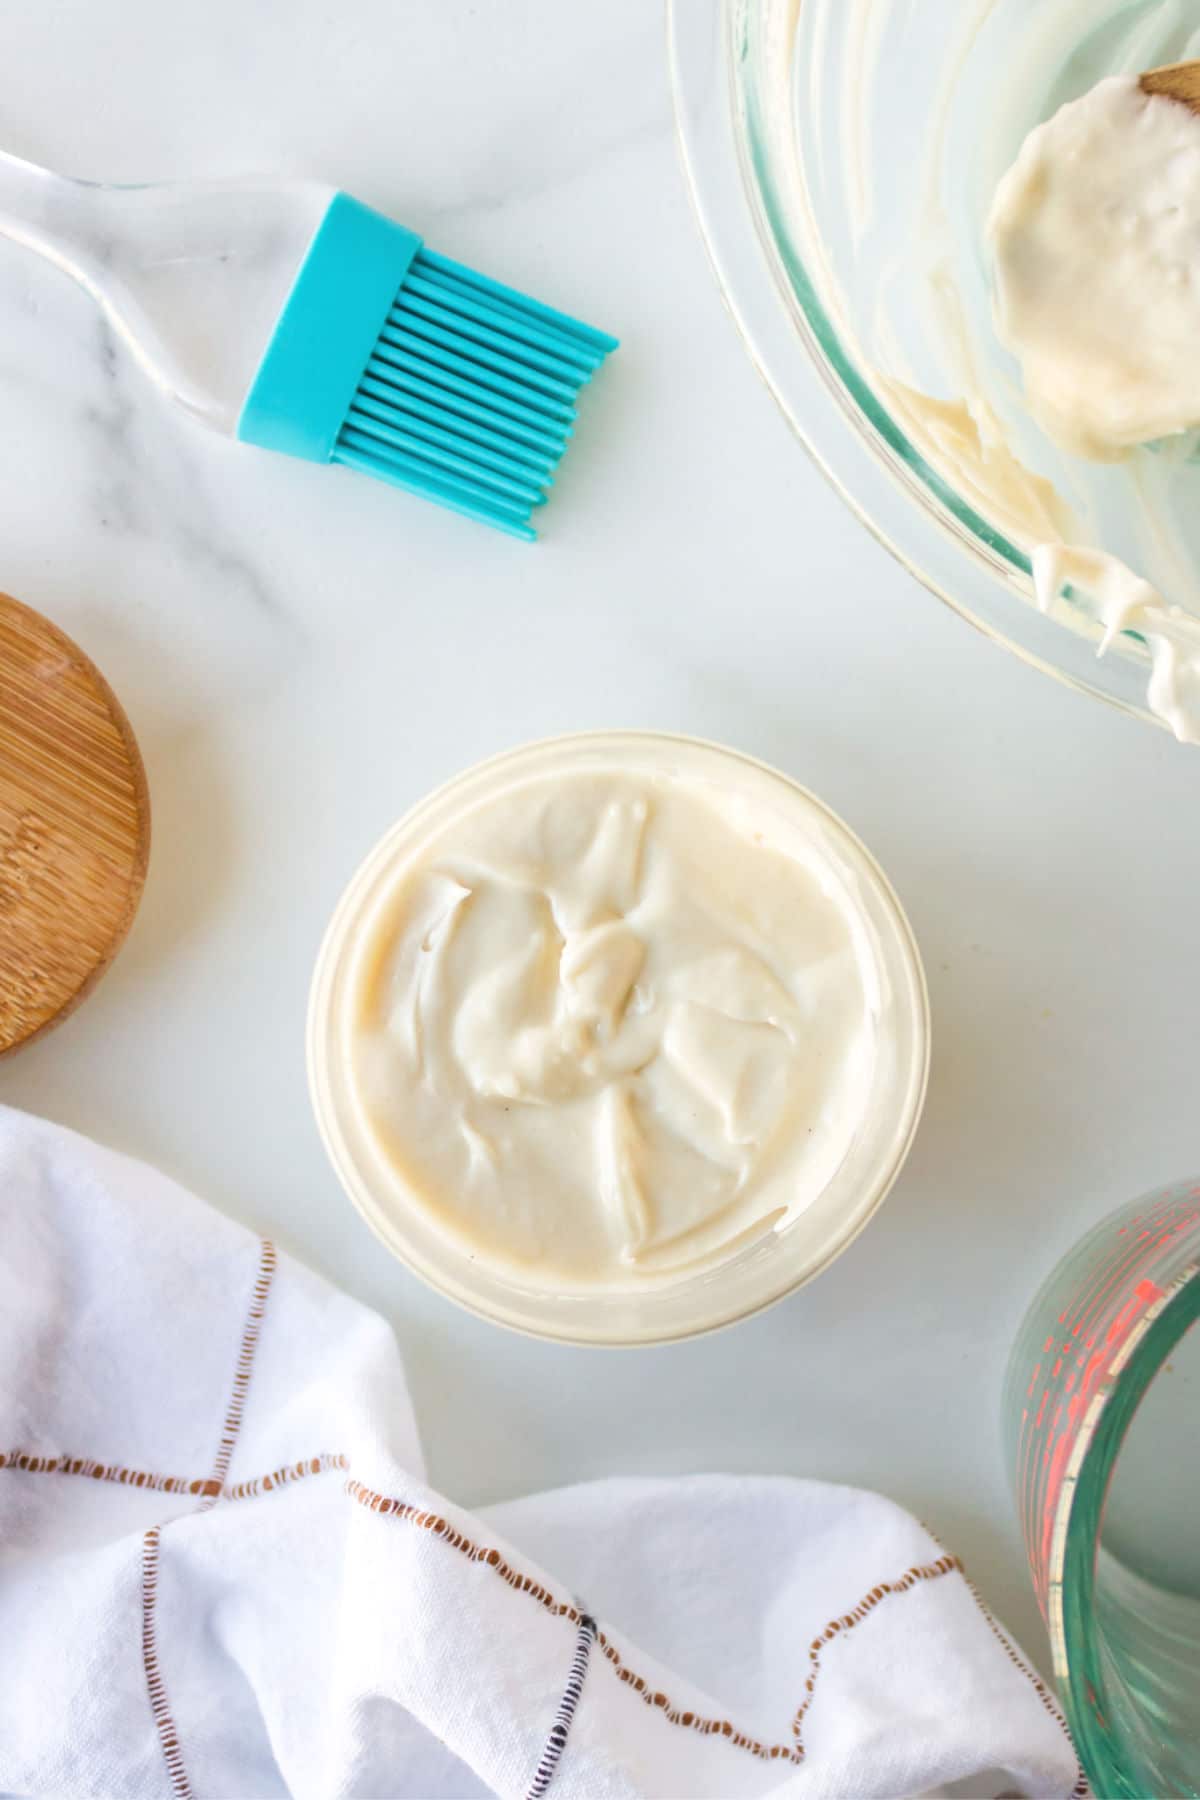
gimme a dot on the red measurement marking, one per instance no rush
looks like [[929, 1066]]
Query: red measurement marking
[[1084, 1353], [1103, 1279], [1110, 1277], [1145, 1294]]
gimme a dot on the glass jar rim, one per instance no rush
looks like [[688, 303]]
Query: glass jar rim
[[456, 1276]]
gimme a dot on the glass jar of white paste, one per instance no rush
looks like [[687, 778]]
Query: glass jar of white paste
[[618, 1038]]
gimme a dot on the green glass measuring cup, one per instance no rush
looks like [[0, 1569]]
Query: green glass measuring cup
[[1102, 1422]]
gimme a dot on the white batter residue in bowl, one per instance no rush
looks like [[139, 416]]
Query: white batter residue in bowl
[[1094, 235], [905, 121]]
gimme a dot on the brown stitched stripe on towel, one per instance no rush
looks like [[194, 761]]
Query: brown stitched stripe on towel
[[945, 1565], [266, 1484], [98, 1471], [241, 1375], [168, 1737], [482, 1553]]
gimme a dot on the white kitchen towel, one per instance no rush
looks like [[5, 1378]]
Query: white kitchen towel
[[221, 1573]]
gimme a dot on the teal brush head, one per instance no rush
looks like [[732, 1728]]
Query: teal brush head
[[288, 315], [398, 362]]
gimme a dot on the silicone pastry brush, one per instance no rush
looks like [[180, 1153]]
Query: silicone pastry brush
[[287, 314]]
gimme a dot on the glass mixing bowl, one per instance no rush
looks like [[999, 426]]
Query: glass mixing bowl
[[842, 156]]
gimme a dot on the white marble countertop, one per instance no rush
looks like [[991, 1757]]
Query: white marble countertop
[[303, 653]]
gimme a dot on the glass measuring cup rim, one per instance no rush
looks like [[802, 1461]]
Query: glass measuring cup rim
[[1125, 1371]]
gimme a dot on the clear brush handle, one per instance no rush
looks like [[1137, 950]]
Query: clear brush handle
[[191, 275]]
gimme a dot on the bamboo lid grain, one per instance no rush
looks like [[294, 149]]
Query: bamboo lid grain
[[74, 825]]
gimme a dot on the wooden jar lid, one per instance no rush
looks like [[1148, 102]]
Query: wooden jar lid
[[74, 825]]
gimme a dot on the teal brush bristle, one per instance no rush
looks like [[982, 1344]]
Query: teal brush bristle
[[465, 392], [468, 396]]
